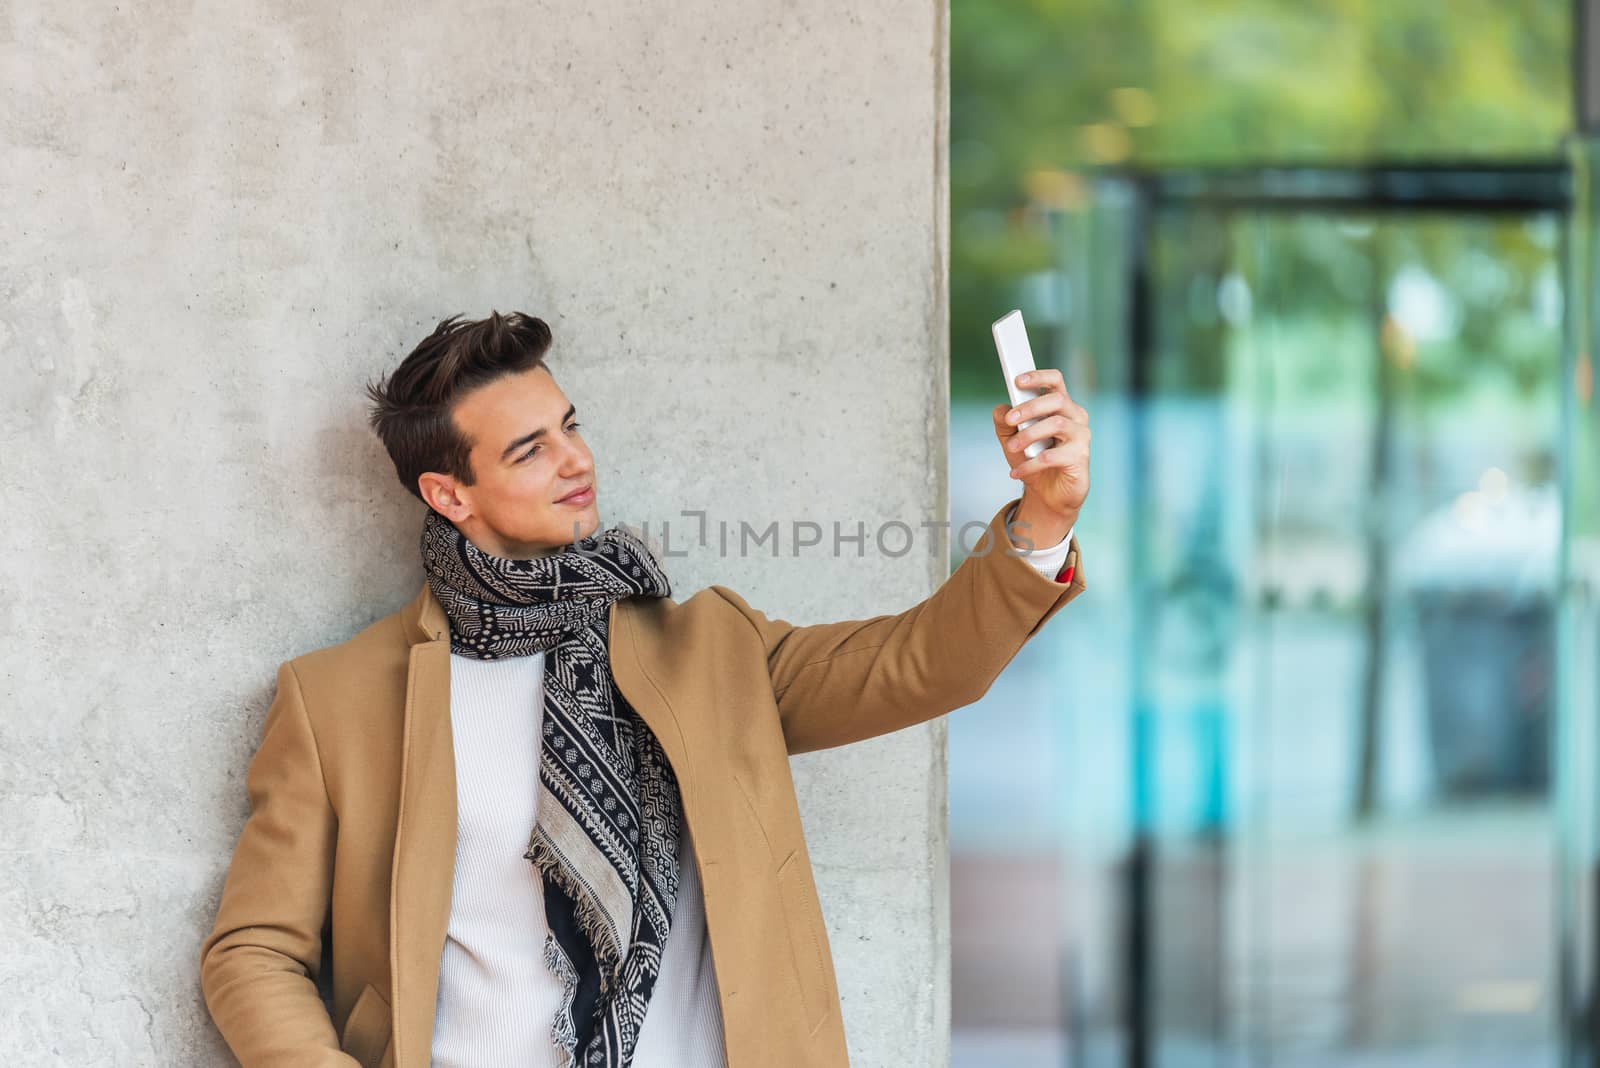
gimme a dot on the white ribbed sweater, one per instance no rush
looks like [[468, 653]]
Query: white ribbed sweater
[[497, 1000]]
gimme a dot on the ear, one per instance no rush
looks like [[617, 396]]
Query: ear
[[441, 494]]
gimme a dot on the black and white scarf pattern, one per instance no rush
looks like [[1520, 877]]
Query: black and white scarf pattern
[[605, 841]]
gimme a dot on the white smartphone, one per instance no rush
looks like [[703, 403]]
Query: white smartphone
[[1016, 357]]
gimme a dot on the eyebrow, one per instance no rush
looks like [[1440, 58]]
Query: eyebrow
[[535, 435]]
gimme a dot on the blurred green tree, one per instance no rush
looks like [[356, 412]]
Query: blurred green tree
[[1043, 90]]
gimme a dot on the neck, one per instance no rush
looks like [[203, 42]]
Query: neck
[[524, 552], [485, 541]]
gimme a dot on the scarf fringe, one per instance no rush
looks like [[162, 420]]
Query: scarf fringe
[[591, 919], [564, 1030]]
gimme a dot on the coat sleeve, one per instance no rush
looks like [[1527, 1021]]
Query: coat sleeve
[[258, 966], [837, 683]]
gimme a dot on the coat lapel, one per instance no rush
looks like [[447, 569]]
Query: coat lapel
[[634, 681], [425, 834], [637, 644]]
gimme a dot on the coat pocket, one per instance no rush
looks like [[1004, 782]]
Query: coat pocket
[[366, 1034], [801, 916]]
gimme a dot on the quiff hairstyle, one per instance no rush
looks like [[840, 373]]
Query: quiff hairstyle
[[411, 409]]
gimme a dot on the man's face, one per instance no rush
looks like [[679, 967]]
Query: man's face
[[527, 455]]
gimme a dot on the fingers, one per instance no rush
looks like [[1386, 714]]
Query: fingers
[[1067, 454], [1059, 427], [1054, 399]]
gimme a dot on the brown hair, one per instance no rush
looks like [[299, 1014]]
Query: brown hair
[[411, 410]]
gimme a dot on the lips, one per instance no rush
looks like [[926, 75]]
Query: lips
[[581, 496]]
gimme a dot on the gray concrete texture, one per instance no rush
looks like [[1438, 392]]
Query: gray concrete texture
[[222, 219]]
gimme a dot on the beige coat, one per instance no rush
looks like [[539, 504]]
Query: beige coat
[[351, 834]]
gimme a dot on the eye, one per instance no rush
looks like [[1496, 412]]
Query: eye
[[527, 455]]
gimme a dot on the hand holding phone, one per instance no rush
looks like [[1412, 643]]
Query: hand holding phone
[[1016, 358]]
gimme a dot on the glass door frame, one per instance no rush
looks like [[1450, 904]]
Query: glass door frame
[[1137, 197]]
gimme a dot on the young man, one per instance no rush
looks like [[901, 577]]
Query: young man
[[542, 815]]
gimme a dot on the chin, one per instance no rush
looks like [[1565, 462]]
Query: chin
[[587, 521]]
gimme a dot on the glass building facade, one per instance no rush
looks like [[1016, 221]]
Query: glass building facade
[[1308, 775]]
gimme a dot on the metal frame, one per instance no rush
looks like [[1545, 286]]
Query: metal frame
[[1484, 188]]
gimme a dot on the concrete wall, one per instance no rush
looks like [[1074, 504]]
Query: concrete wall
[[221, 219]]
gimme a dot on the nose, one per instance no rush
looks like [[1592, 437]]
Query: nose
[[576, 459]]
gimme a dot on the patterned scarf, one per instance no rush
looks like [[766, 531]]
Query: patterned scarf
[[605, 841]]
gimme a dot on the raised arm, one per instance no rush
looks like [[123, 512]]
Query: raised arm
[[258, 967], [837, 683]]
